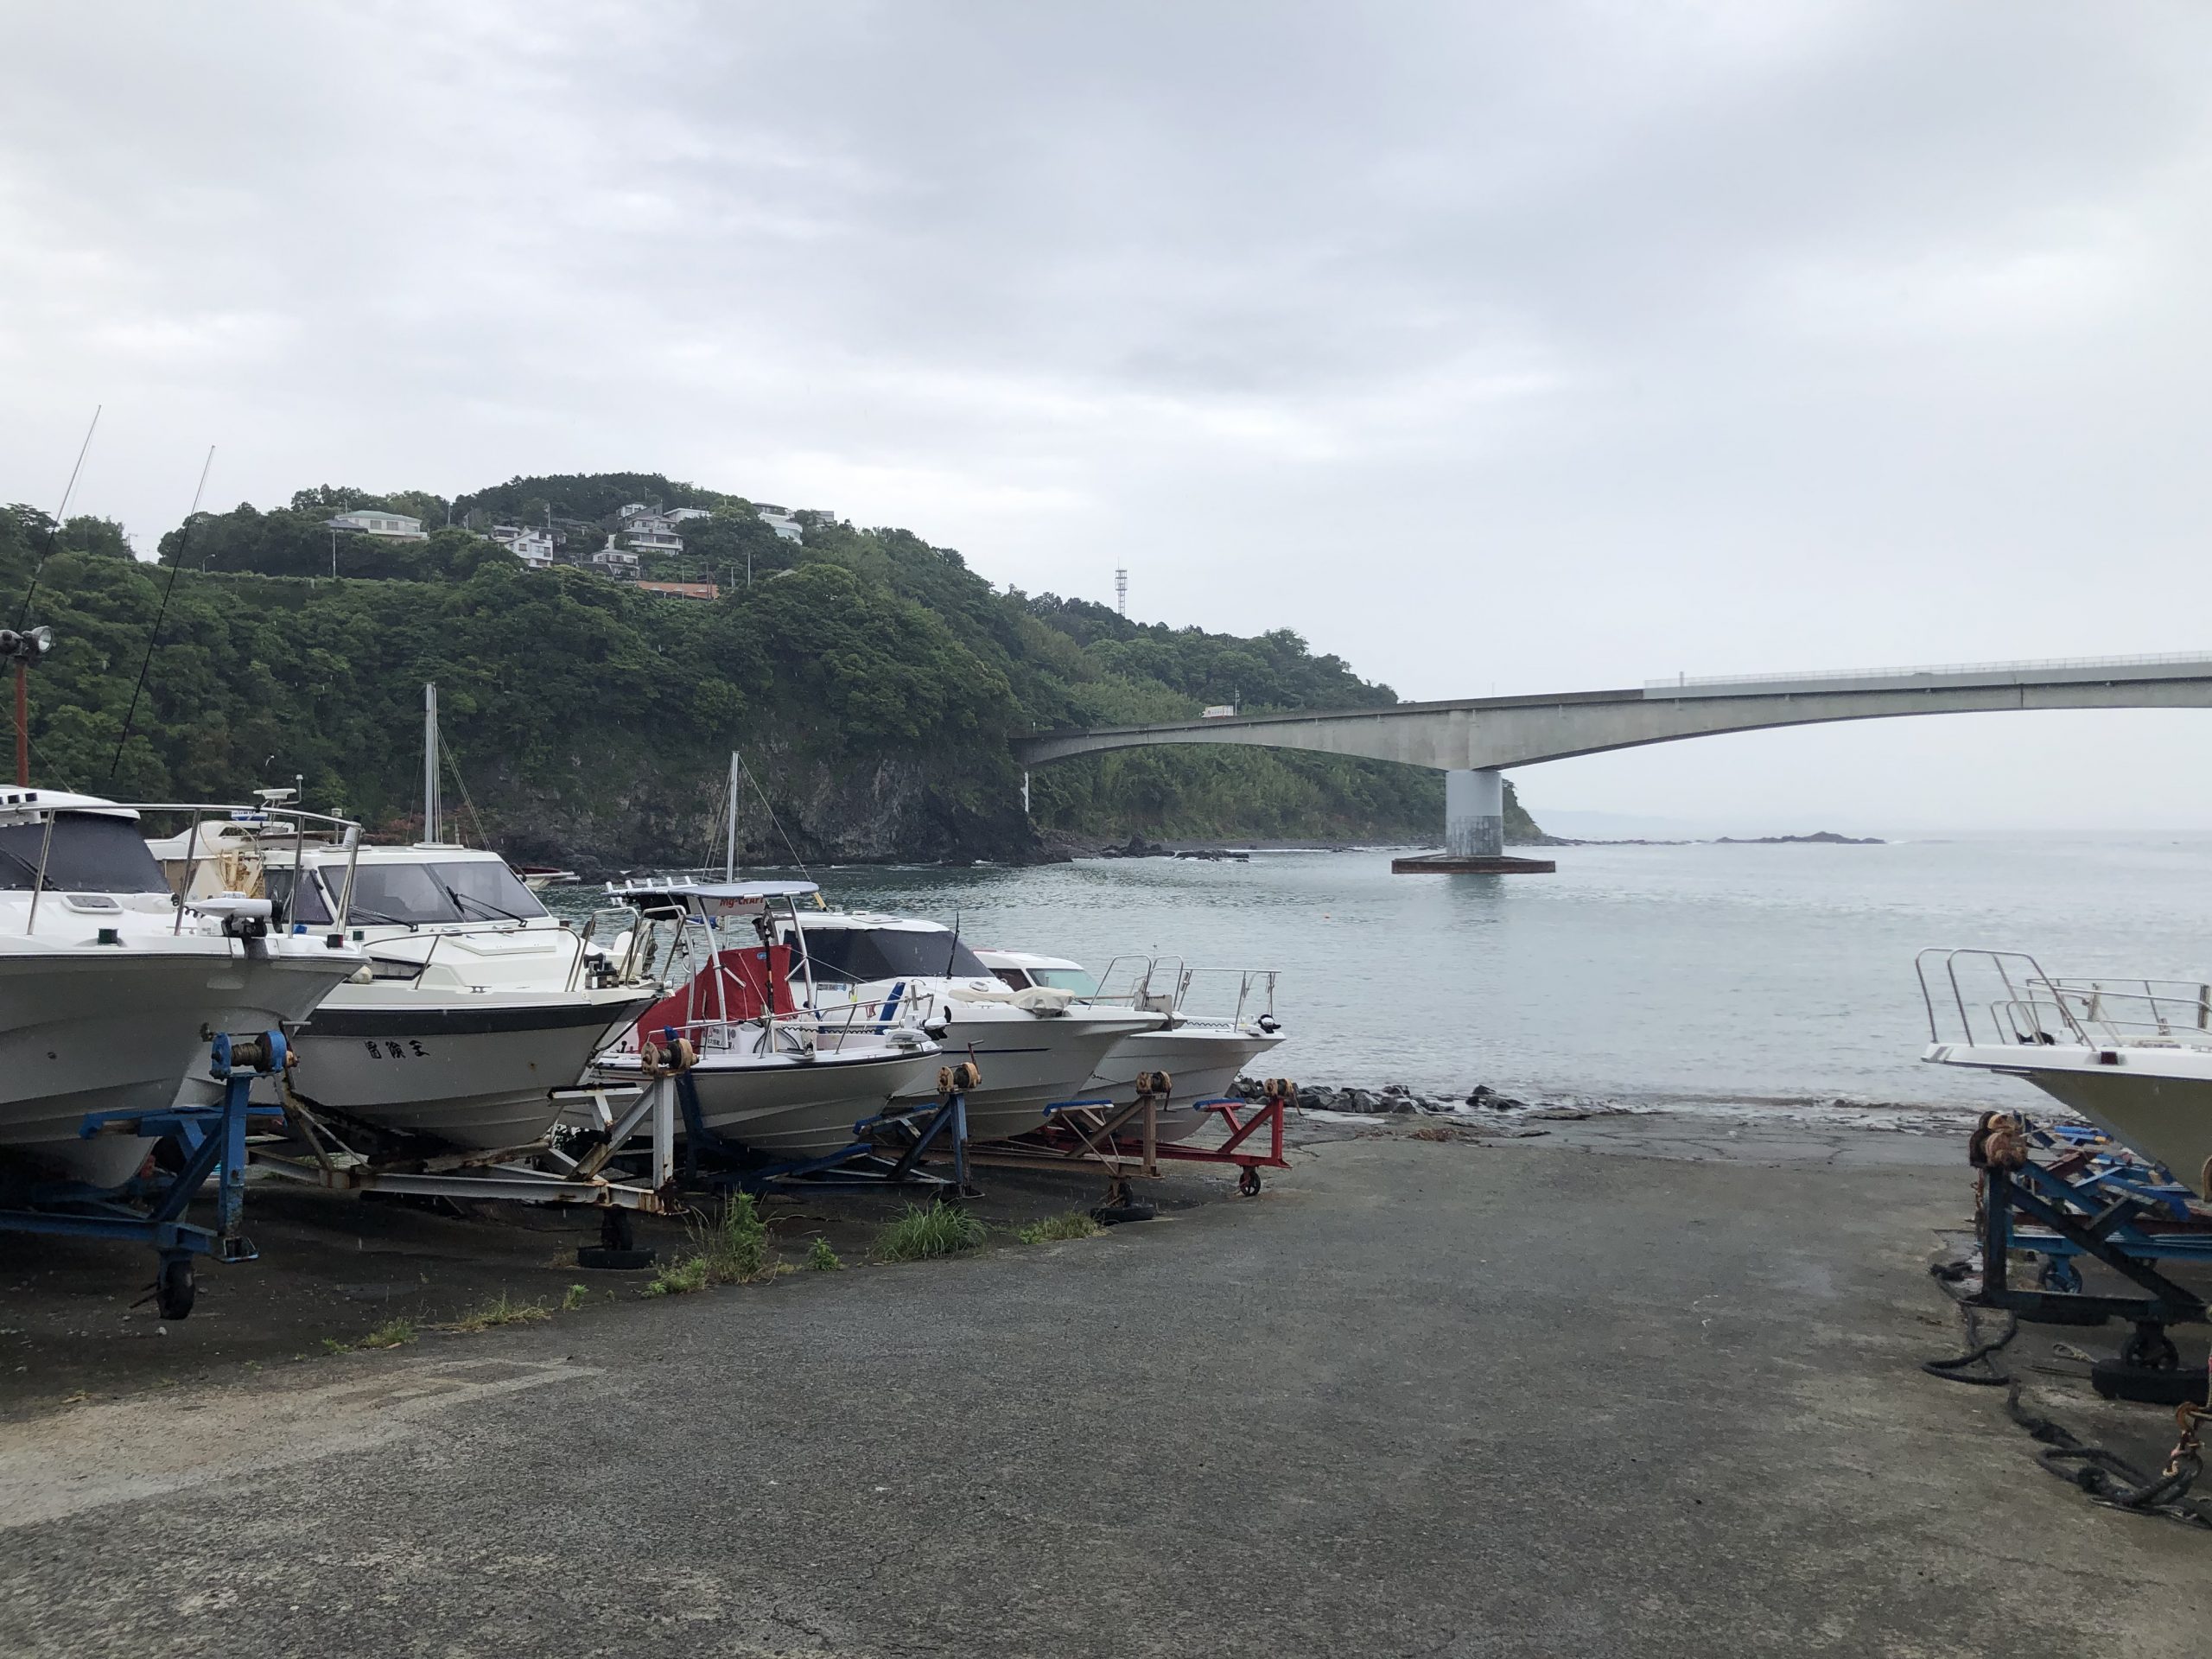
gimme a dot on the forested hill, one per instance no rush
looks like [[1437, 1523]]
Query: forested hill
[[872, 683]]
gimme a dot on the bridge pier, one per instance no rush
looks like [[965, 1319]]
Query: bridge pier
[[1474, 830], [1474, 813]]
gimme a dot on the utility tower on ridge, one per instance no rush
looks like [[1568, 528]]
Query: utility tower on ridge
[[1121, 589]]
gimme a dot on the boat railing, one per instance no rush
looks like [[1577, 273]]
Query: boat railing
[[1153, 984], [2115, 1012], [1165, 984], [830, 1028], [1943, 997], [841, 1020], [2033, 1008], [293, 823], [1122, 984], [1250, 993], [637, 940]]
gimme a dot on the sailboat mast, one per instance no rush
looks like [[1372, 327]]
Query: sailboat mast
[[729, 845], [431, 765]]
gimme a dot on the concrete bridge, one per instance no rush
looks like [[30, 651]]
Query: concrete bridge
[[1474, 741]]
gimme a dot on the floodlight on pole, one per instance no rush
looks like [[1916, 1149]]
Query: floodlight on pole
[[23, 650]]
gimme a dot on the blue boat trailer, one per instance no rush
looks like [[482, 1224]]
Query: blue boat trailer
[[886, 1150], [2062, 1192], [208, 1141]]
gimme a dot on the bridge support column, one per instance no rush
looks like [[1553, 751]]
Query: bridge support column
[[1474, 813]]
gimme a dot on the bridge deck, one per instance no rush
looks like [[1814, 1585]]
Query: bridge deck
[[1488, 732]]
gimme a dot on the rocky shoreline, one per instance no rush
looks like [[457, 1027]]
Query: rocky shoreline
[[1396, 1099], [1483, 1104]]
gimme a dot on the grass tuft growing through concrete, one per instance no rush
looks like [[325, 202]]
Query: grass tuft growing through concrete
[[821, 1258], [679, 1278], [391, 1334], [573, 1298], [734, 1245], [505, 1310], [731, 1248], [1076, 1224], [940, 1230]]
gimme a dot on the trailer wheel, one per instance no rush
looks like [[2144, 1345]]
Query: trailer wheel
[[1248, 1182], [174, 1288], [2150, 1349], [1115, 1214]]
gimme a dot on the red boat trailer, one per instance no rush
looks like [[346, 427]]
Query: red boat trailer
[[1268, 1115], [1124, 1139]]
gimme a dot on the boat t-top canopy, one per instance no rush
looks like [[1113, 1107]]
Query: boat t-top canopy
[[708, 898]]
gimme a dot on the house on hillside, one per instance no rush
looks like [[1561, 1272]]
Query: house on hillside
[[614, 561], [779, 520], [684, 589], [378, 521], [650, 531], [533, 547], [677, 515]]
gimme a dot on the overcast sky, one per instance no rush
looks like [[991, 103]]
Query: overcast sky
[[1519, 348]]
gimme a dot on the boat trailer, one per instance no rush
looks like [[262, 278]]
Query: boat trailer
[[887, 1149], [561, 1170], [2062, 1192], [205, 1142], [1123, 1139]]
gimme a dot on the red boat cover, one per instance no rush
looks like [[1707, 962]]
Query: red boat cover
[[749, 978]]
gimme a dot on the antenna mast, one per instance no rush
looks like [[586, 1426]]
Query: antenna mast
[[729, 844], [431, 765], [1121, 589]]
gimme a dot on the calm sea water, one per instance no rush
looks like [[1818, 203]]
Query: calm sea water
[[1725, 977]]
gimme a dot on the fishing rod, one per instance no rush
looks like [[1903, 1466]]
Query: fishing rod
[[154, 637], [53, 530]]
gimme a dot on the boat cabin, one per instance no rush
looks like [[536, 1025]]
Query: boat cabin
[[410, 887], [60, 843], [1022, 970]]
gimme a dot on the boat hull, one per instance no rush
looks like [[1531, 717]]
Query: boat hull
[[1202, 1062], [2155, 1102], [476, 1074], [110, 1029], [790, 1105], [1028, 1061]]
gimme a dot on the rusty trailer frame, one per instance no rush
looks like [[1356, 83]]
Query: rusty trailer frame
[[1122, 1139], [314, 1155]]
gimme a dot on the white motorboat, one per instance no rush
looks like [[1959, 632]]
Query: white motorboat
[[1203, 1054], [2133, 1056], [1035, 1047], [475, 1002], [110, 988], [770, 1073]]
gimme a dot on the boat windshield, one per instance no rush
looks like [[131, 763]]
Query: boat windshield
[[1081, 980], [421, 895], [312, 908], [91, 853], [851, 956]]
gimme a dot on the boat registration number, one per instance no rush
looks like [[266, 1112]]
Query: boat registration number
[[412, 1049]]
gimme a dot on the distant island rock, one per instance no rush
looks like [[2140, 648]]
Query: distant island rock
[[1822, 837]]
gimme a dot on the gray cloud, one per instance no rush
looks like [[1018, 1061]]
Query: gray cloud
[[1532, 347]]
